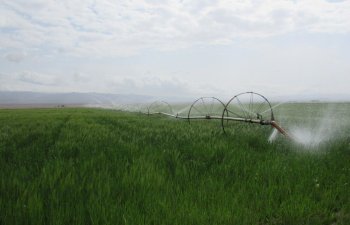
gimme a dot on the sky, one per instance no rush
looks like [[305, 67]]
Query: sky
[[176, 48]]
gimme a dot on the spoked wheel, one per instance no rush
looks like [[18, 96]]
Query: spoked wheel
[[160, 107], [206, 108], [246, 108]]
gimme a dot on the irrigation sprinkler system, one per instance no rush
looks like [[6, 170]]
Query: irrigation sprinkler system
[[246, 107]]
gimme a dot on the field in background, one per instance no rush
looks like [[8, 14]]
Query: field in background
[[93, 166]]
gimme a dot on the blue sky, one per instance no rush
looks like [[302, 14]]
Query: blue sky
[[176, 48]]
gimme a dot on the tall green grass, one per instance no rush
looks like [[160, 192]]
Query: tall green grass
[[91, 166]]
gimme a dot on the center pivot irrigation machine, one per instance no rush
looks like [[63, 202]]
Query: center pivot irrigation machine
[[247, 107]]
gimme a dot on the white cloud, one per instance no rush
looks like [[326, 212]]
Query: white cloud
[[152, 85], [145, 85], [109, 28], [16, 56], [37, 78], [29, 81]]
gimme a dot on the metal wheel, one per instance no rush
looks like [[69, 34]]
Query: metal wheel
[[206, 108], [247, 107]]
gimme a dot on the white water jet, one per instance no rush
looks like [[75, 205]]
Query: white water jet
[[185, 109], [317, 131], [273, 135]]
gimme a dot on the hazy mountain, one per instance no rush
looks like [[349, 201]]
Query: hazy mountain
[[35, 98], [9, 98]]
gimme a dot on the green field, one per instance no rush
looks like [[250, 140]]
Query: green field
[[94, 166]]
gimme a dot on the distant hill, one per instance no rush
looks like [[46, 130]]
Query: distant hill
[[36, 98], [13, 98]]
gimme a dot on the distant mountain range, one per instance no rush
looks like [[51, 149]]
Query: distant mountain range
[[10, 98], [36, 98]]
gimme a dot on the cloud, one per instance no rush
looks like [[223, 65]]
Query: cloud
[[123, 28], [37, 78], [144, 85], [16, 56], [152, 85], [335, 1]]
